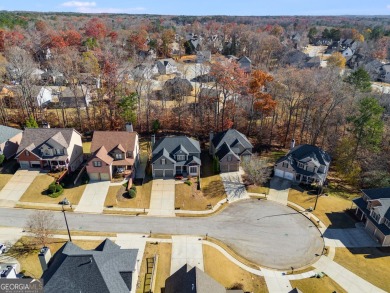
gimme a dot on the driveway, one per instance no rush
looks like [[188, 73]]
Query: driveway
[[162, 200], [94, 195], [352, 237], [16, 187], [279, 189], [234, 187], [264, 232], [186, 250]]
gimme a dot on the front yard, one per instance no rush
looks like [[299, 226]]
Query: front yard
[[229, 274], [371, 264], [115, 197], [314, 285], [330, 209], [36, 192], [4, 178], [212, 189]]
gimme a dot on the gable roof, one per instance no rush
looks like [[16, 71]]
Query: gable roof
[[33, 138], [162, 153], [8, 132], [192, 279], [104, 269], [170, 143], [111, 139], [308, 151], [102, 154], [224, 150], [230, 136], [377, 193]]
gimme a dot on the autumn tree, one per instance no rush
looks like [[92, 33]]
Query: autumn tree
[[95, 28], [72, 37], [167, 37], [336, 60]]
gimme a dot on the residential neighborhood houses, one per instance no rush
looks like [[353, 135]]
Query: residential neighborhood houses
[[171, 154]]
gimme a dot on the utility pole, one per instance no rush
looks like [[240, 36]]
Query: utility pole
[[318, 194], [66, 221]]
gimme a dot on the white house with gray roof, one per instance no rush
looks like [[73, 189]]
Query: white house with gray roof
[[9, 141], [373, 209], [230, 147], [304, 164], [175, 155]]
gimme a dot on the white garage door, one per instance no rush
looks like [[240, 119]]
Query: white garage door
[[94, 176], [288, 175], [104, 176], [279, 173], [24, 164]]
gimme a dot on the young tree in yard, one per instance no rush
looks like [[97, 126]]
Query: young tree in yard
[[41, 225], [336, 60], [367, 125], [31, 122], [360, 80], [345, 162], [128, 108], [257, 170]]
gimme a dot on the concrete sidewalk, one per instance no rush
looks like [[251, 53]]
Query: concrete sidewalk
[[346, 279], [16, 187], [94, 195], [162, 199], [186, 249], [276, 282], [278, 190]]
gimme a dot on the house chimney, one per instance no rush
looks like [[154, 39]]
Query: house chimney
[[211, 136], [44, 257], [45, 125], [153, 139], [292, 144], [129, 127]]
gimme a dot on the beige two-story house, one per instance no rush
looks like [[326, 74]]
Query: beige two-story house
[[373, 208], [304, 164], [114, 154]]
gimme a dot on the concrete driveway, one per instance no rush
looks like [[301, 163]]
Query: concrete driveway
[[279, 189], [16, 187], [352, 237], [234, 187], [186, 250], [162, 200], [94, 195]]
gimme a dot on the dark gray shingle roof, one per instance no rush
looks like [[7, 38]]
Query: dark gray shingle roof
[[224, 150], [172, 142], [230, 136], [377, 193], [105, 269], [7, 132]]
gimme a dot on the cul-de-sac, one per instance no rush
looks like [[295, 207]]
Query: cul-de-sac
[[147, 150]]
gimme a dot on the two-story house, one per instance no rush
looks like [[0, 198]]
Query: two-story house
[[9, 140], [175, 155], [230, 147], [304, 164], [166, 66], [113, 153], [373, 208], [50, 149]]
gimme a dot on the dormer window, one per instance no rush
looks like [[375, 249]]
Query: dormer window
[[119, 156], [180, 157], [301, 165]]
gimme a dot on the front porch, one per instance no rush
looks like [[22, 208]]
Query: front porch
[[188, 170], [55, 164]]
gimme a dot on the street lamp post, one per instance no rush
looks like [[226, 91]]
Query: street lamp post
[[66, 221]]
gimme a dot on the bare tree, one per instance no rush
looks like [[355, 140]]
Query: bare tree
[[41, 225], [257, 170]]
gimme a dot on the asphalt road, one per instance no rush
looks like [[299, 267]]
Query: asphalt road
[[267, 233]]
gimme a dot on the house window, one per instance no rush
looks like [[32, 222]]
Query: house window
[[285, 165], [229, 158], [180, 157], [162, 161], [59, 151], [26, 153], [300, 165], [118, 156], [376, 217], [387, 223], [193, 170], [97, 163]]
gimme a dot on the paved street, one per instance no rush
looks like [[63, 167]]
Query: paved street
[[279, 190], [162, 200], [264, 232], [234, 187], [186, 250], [16, 187], [92, 200]]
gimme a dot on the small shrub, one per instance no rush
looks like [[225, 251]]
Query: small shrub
[[134, 188], [188, 182], [132, 193], [55, 190], [2, 158]]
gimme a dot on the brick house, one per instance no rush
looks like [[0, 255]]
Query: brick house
[[50, 149]]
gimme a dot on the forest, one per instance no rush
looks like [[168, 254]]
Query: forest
[[99, 71]]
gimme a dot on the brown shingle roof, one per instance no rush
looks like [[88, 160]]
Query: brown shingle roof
[[111, 139], [103, 155]]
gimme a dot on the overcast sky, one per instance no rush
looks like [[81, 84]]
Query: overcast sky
[[208, 7]]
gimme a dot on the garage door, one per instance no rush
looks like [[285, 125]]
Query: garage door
[[94, 176], [35, 164], [279, 173], [288, 175], [168, 173], [24, 164], [104, 176], [159, 173]]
